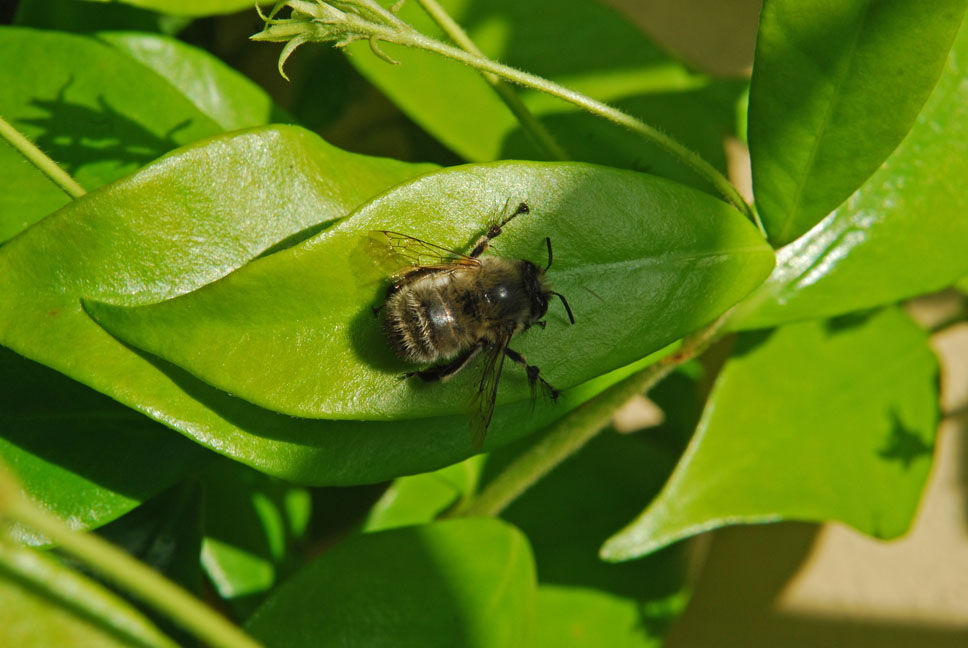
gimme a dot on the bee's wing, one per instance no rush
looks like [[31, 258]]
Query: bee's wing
[[400, 250], [482, 405]]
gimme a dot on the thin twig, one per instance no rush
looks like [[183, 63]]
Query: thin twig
[[539, 134], [40, 160], [566, 436]]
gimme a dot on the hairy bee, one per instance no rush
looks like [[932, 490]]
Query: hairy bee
[[445, 308]]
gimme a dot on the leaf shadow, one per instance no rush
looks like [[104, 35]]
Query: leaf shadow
[[88, 434], [904, 445], [75, 134]]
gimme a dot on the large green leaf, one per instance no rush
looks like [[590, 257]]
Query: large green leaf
[[230, 99], [642, 260], [93, 110], [903, 233], [195, 7], [829, 420], [836, 86], [605, 57], [181, 223], [458, 583], [78, 454]]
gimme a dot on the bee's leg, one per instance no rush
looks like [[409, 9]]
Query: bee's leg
[[445, 371], [533, 374], [494, 230]]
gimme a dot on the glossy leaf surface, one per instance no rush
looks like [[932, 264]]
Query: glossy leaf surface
[[819, 421], [459, 583], [236, 197], [903, 233], [582, 44], [836, 87], [92, 109], [642, 261], [224, 95], [80, 455]]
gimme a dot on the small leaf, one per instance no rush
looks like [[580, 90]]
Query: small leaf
[[836, 87], [249, 532], [642, 261], [418, 499], [818, 421], [458, 583], [903, 233], [576, 617]]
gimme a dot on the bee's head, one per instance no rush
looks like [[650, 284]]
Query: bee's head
[[536, 285]]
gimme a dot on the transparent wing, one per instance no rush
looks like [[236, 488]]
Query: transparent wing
[[482, 405], [401, 250]]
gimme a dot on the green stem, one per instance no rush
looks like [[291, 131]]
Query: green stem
[[131, 575], [40, 160], [411, 38], [539, 134], [578, 427]]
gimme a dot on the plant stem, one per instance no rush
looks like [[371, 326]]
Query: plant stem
[[40, 160], [578, 427], [412, 38], [130, 574], [539, 134]]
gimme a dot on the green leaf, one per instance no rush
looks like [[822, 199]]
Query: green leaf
[[228, 98], [901, 234], [606, 58], [458, 583], [195, 8], [576, 617], [251, 525], [417, 499], [91, 108], [642, 260], [43, 603], [829, 420], [80, 455], [836, 87], [88, 17], [568, 514], [182, 222]]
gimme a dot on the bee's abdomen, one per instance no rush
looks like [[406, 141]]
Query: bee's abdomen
[[421, 324]]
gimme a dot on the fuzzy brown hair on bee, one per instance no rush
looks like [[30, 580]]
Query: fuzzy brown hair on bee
[[445, 308]]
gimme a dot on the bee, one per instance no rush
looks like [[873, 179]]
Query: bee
[[445, 308]]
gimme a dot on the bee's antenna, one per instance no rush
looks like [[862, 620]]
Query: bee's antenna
[[521, 209], [548, 241], [565, 303]]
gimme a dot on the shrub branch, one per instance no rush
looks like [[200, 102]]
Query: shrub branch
[[342, 22]]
